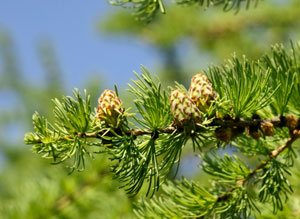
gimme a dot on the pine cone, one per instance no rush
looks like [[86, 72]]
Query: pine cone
[[296, 133], [183, 109], [267, 128], [109, 108], [201, 92], [291, 122]]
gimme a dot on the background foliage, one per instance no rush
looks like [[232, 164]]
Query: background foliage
[[29, 186]]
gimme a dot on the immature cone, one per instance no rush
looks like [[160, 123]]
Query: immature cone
[[291, 122], [267, 128], [223, 134], [109, 108], [183, 109], [201, 92], [296, 133]]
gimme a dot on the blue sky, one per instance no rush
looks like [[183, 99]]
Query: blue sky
[[81, 50]]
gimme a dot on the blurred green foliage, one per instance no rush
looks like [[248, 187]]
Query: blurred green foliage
[[29, 186], [213, 34], [146, 10]]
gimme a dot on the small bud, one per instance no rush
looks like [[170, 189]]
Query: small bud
[[201, 92], [109, 108], [291, 122], [236, 130], [255, 135], [296, 133], [223, 134], [267, 128], [253, 132], [183, 109]]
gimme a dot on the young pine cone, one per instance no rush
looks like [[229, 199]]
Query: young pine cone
[[183, 109], [291, 122], [201, 92], [109, 108], [267, 128]]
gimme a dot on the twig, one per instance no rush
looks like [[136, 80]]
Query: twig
[[272, 155], [230, 122]]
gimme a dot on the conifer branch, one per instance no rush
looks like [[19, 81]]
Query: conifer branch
[[228, 122], [221, 105], [146, 10], [273, 155]]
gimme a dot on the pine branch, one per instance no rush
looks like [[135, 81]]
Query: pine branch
[[273, 155], [227, 4], [146, 10], [280, 121], [190, 200], [238, 97]]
